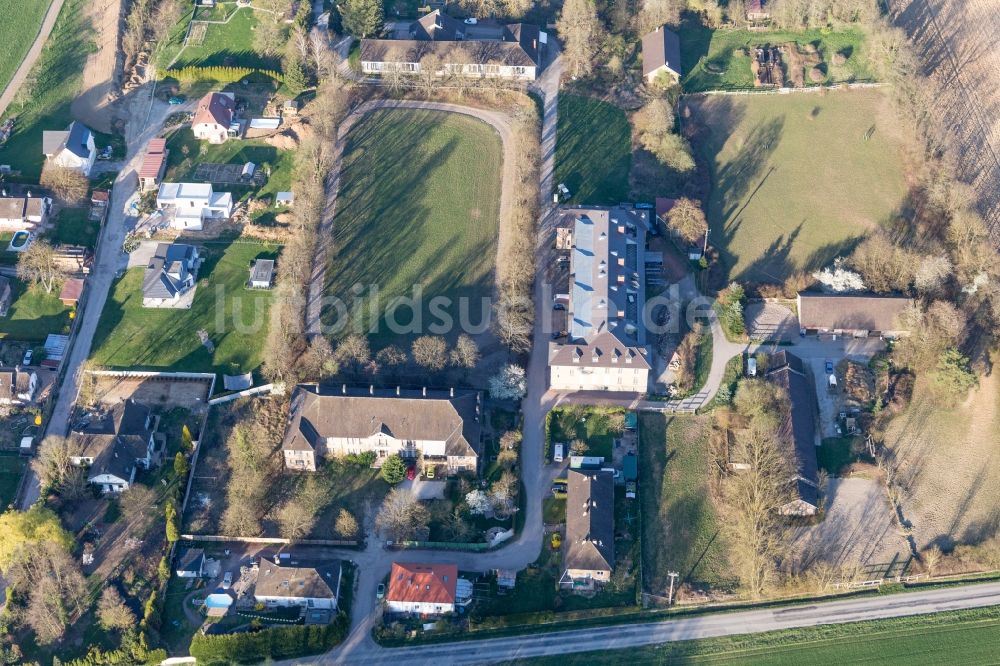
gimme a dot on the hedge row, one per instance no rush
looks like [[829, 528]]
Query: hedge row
[[221, 74], [276, 643]]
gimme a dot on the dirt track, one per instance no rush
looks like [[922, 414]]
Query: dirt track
[[29, 59], [93, 106], [956, 40]]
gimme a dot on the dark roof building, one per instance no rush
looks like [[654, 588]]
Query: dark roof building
[[170, 272], [113, 444], [859, 315], [590, 528], [661, 52], [190, 563], [299, 584], [75, 139], [787, 371]]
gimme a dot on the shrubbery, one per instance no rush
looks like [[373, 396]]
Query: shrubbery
[[276, 643], [730, 309], [221, 74]]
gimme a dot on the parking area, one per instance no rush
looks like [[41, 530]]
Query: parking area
[[771, 322]]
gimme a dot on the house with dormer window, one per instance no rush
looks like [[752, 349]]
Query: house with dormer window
[[312, 587], [115, 445], [589, 548], [170, 277]]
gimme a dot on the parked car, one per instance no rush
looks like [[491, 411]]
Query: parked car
[[380, 591], [429, 472], [558, 306], [227, 580], [751, 367], [176, 100], [558, 452], [27, 357], [411, 472], [829, 367], [630, 490]]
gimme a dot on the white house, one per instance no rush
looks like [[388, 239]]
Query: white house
[[310, 587], [422, 589], [442, 427], [661, 54], [214, 117], [113, 447], [188, 205], [191, 563], [170, 277], [72, 148], [27, 213], [605, 348]]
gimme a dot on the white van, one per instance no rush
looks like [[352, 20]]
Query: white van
[[558, 452]]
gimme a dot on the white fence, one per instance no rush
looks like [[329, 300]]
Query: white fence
[[246, 393]]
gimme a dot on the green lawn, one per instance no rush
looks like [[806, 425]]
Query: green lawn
[[554, 510], [590, 424], [74, 227], [230, 44], [34, 314], [57, 74], [956, 637], [714, 59], [593, 150], [22, 20], [681, 531], [794, 182], [130, 336], [418, 208], [11, 467]]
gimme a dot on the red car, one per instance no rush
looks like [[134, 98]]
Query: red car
[[411, 472]]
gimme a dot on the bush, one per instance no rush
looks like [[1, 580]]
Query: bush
[[730, 309], [220, 74], [277, 643], [363, 459], [393, 470]]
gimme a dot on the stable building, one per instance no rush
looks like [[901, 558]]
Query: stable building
[[853, 315]]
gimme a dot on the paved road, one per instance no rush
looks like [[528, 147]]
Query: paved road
[[619, 637], [29, 59]]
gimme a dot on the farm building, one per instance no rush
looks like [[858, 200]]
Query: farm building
[[787, 371], [856, 315], [661, 54]]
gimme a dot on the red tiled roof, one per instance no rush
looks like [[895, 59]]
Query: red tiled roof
[[153, 161], [71, 290], [100, 195], [214, 108], [423, 583]]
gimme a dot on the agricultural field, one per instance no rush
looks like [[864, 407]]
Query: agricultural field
[[11, 467], [593, 150], [947, 464], [797, 180], [418, 207], [720, 60], [130, 336], [33, 314], [955, 637], [22, 20], [681, 528], [57, 75]]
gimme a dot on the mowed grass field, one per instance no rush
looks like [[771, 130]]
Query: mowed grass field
[[18, 29], [795, 183], [593, 150], [33, 314], [223, 44], [681, 530], [131, 336], [957, 637], [418, 206]]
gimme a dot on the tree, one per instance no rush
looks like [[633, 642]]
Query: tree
[[362, 18], [180, 465], [503, 495], [578, 447], [953, 376], [391, 356], [656, 13], [269, 34], [173, 530], [479, 502], [511, 440], [319, 359], [44, 574], [38, 266], [54, 461], [187, 443], [163, 570], [509, 384], [137, 503], [654, 125], [295, 76], [67, 184], [580, 30], [932, 274], [402, 516], [884, 266], [75, 485], [393, 470], [354, 351], [837, 279], [112, 613], [29, 529], [430, 351], [296, 518], [466, 352], [507, 459], [346, 525], [687, 220]]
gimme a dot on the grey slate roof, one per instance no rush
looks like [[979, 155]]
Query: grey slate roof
[[191, 560], [319, 582], [116, 441], [661, 47], [317, 414], [787, 371], [590, 520], [157, 283], [262, 271]]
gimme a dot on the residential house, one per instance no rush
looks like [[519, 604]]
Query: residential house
[[485, 49], [261, 274], [422, 589], [214, 117], [444, 427], [313, 587], [170, 277], [188, 205], [661, 54], [17, 387], [606, 345], [799, 432], [756, 11], [72, 148], [855, 315], [589, 548], [6, 296], [24, 213], [154, 164], [191, 563], [114, 446]]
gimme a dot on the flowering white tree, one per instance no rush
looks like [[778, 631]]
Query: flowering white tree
[[838, 279], [479, 502], [509, 384]]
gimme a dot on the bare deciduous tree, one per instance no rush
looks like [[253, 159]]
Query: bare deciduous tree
[[38, 266], [430, 351], [687, 220], [346, 525], [112, 612], [67, 184], [580, 29], [466, 352], [402, 515], [53, 462]]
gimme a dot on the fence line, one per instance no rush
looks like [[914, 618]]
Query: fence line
[[245, 393], [272, 540], [787, 91]]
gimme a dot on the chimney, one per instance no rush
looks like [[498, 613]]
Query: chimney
[[424, 392], [371, 389], [343, 389], [451, 392], [397, 391]]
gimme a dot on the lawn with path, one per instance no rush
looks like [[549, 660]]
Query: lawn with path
[[681, 529], [418, 207], [131, 336], [22, 20], [797, 180], [593, 150], [217, 44]]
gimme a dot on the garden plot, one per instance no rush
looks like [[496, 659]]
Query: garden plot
[[228, 174]]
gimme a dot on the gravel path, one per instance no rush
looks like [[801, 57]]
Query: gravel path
[[29, 60]]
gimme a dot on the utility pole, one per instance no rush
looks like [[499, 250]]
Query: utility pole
[[670, 599]]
